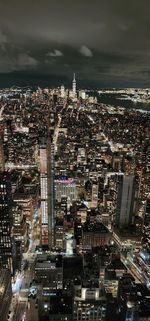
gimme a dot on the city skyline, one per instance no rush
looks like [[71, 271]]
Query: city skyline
[[105, 43], [74, 205], [74, 160]]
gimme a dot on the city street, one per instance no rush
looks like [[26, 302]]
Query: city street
[[32, 311], [22, 308], [56, 133]]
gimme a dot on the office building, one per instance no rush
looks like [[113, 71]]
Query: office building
[[62, 91], [126, 200], [25, 202], [89, 304], [128, 298], [82, 94], [59, 234], [95, 234], [44, 193], [65, 187], [94, 195], [56, 306], [47, 188], [20, 231], [50, 186], [2, 162], [49, 271], [5, 221]]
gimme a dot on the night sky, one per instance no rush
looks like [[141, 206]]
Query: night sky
[[106, 42]]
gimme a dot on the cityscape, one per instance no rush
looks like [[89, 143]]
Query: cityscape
[[75, 160], [74, 206]]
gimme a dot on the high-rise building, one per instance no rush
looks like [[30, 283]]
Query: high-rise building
[[95, 234], [25, 202], [50, 186], [94, 194], [65, 187], [82, 94], [55, 305], [49, 271], [44, 193], [126, 200], [59, 234], [74, 84], [19, 226], [128, 298], [89, 304], [62, 91], [47, 189], [2, 162], [5, 221]]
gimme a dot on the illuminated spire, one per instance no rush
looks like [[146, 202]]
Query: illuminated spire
[[74, 84]]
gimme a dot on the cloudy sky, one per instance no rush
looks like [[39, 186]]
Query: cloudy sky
[[106, 42]]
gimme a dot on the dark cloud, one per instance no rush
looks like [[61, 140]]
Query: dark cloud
[[56, 38]]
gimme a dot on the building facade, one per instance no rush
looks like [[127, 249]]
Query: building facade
[[6, 221], [126, 199]]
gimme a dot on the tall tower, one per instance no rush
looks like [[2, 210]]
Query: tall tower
[[2, 162], [126, 199], [62, 91], [50, 189], [1, 154], [5, 221], [74, 84], [44, 191], [50, 181], [94, 195], [46, 182]]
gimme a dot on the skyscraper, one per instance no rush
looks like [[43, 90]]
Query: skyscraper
[[47, 189], [65, 187], [2, 163], [126, 198], [50, 188], [74, 85], [94, 195], [62, 91], [44, 192], [5, 221]]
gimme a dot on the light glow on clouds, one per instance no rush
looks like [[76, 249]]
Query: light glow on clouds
[[55, 53], [85, 51]]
